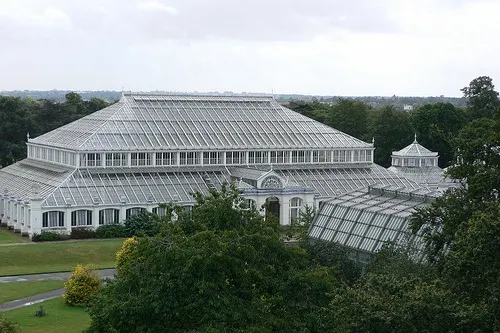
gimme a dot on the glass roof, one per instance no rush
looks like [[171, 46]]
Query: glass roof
[[329, 182], [366, 219], [414, 150], [86, 187], [150, 122]]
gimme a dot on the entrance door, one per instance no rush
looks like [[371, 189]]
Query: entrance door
[[273, 206]]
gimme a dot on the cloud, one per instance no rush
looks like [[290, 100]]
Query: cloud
[[357, 47], [156, 6]]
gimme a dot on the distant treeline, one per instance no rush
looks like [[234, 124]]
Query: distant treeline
[[374, 101], [436, 124], [20, 116]]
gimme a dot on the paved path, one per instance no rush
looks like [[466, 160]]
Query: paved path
[[63, 276], [19, 303]]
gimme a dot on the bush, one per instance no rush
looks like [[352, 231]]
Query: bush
[[111, 231], [7, 326], [82, 233], [82, 285], [40, 312], [142, 224], [46, 236]]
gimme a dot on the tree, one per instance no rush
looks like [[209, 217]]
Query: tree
[[223, 267], [391, 130], [436, 126], [7, 326], [482, 99], [472, 266], [82, 286], [350, 116]]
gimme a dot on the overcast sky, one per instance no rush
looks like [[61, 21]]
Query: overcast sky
[[321, 47]]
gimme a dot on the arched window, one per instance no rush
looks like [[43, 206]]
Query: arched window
[[160, 211], [249, 204], [109, 216], [53, 219], [295, 207], [134, 211], [81, 218]]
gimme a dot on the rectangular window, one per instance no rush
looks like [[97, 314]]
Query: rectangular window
[[212, 157], [44, 153], [258, 157], [342, 156], [279, 157], [50, 155], [90, 159], [165, 158], [301, 156], [189, 158], [322, 156], [116, 159], [368, 155], [140, 159], [360, 156], [235, 157], [57, 156]]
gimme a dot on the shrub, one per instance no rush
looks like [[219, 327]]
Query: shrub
[[46, 236], [40, 312], [144, 223], [82, 285], [82, 233], [7, 326], [111, 231], [124, 253]]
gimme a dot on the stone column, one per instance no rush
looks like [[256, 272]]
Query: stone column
[[35, 216], [284, 210]]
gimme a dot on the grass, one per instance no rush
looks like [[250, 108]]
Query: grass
[[57, 256], [8, 237], [16, 290], [60, 318]]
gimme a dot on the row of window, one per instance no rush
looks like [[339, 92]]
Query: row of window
[[226, 158], [414, 162], [52, 155], [83, 217]]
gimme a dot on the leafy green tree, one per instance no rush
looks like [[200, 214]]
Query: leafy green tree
[[472, 266], [224, 267], [436, 126], [391, 130], [482, 99], [350, 116]]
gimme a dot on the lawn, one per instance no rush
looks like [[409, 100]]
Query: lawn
[[57, 256], [16, 290], [60, 318], [7, 237]]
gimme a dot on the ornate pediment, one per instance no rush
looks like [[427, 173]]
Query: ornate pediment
[[272, 182]]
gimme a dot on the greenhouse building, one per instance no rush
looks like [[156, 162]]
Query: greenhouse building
[[149, 149]]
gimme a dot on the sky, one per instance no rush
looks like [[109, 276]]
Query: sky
[[317, 47]]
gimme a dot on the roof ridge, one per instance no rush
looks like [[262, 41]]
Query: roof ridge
[[104, 122]]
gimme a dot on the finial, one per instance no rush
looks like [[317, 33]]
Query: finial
[[28, 136], [415, 141], [373, 141]]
